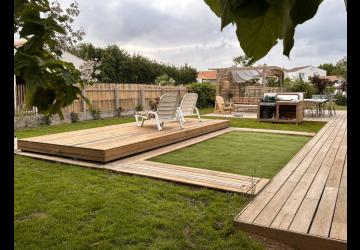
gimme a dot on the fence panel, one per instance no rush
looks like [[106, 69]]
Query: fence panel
[[111, 96]]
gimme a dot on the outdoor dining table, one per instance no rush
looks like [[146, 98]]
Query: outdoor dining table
[[318, 102]]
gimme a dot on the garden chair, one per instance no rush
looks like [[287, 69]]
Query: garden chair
[[330, 105], [166, 111], [188, 106], [221, 107], [309, 105]]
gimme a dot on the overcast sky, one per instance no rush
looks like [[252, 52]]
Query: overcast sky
[[187, 31]]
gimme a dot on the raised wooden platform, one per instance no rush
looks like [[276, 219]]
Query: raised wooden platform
[[116, 141], [305, 204]]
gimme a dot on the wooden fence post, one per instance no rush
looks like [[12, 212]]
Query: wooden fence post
[[15, 97], [116, 94], [83, 101], [142, 97]]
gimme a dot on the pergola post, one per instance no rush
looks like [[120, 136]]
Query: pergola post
[[15, 99]]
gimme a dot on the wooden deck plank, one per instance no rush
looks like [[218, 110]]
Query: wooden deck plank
[[116, 141], [304, 217], [288, 211], [272, 131], [207, 174], [183, 175], [236, 177], [268, 214], [322, 222], [339, 223], [192, 176], [250, 212], [324, 214], [313, 208], [173, 147], [285, 216]]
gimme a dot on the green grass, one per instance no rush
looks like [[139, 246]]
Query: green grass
[[65, 127], [339, 107], [205, 111], [245, 153], [59, 206], [306, 126]]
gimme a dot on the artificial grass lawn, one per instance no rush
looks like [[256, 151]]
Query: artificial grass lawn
[[305, 126], [339, 107], [59, 206], [245, 153]]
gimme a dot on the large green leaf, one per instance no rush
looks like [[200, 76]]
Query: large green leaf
[[304, 10], [248, 8], [261, 23], [257, 36]]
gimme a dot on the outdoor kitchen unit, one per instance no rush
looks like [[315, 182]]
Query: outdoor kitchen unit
[[281, 107]]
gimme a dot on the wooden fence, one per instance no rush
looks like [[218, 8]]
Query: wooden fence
[[112, 96]]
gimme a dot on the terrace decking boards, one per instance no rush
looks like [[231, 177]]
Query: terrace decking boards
[[138, 165], [108, 143], [194, 176], [304, 205]]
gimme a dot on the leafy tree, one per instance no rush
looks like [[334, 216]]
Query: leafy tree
[[242, 61], [164, 80], [119, 66], [186, 74], [272, 81], [321, 84], [298, 85], [88, 70], [260, 23], [339, 69], [50, 82], [67, 17]]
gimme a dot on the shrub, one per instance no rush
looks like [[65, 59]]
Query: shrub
[[321, 84], [299, 85], [74, 117], [272, 81], [45, 120], [119, 111], [139, 107], [164, 79], [206, 92], [96, 114], [340, 99]]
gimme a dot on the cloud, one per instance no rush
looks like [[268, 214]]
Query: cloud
[[186, 31]]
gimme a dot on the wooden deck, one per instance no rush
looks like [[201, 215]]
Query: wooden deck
[[305, 204], [116, 141], [138, 165]]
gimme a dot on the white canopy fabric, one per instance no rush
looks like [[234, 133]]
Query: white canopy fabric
[[245, 75]]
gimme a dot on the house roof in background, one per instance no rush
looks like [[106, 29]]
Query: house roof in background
[[66, 56], [211, 75], [297, 68], [332, 78]]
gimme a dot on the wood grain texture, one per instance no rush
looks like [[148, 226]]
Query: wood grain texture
[[304, 205], [116, 141]]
